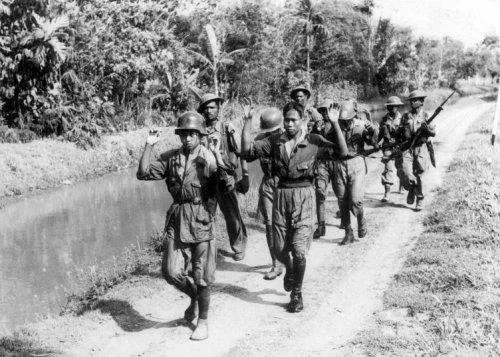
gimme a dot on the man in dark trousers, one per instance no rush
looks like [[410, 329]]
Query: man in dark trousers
[[350, 171], [416, 159], [271, 121], [392, 158], [190, 172], [293, 153], [228, 202]]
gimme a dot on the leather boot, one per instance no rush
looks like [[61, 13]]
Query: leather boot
[[276, 270], [320, 231], [349, 236], [387, 193], [411, 195], [296, 304], [288, 279]]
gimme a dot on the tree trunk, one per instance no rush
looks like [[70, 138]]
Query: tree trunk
[[308, 57], [216, 81]]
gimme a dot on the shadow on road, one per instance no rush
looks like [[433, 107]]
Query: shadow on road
[[246, 295], [131, 320], [227, 265]]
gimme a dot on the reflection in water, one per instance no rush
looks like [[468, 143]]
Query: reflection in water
[[44, 238]]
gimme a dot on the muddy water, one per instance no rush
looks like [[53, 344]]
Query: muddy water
[[44, 238]]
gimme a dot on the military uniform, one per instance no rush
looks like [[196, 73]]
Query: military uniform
[[388, 135], [228, 201], [416, 159], [293, 212], [350, 173]]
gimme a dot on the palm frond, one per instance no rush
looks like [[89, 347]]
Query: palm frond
[[200, 57], [213, 44]]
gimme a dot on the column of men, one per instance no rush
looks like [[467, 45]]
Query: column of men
[[301, 151]]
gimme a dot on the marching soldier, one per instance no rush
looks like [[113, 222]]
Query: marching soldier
[[415, 161], [271, 121], [293, 154], [301, 96], [190, 173], [323, 170], [228, 202], [350, 172], [392, 158]]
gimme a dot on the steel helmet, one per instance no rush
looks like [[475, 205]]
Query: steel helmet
[[348, 110], [270, 119], [298, 89], [207, 98], [417, 94], [191, 121], [394, 101]]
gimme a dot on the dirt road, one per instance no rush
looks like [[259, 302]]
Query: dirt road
[[343, 285]]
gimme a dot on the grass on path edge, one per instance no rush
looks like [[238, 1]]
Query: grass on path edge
[[446, 298]]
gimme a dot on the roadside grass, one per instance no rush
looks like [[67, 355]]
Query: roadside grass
[[446, 298]]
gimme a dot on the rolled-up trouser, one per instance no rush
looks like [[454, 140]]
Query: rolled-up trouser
[[349, 186], [228, 203], [293, 219], [392, 168], [186, 265], [266, 196], [415, 163]]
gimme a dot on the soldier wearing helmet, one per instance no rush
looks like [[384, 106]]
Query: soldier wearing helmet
[[225, 134], [292, 153], [189, 249], [301, 95], [415, 159], [392, 158], [350, 172], [271, 123], [324, 167]]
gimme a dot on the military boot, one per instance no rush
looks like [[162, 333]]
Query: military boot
[[288, 279], [362, 230], [201, 330], [411, 195], [295, 304], [387, 193], [349, 236], [191, 311], [320, 231], [419, 205]]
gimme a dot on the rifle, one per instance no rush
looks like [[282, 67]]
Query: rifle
[[418, 133]]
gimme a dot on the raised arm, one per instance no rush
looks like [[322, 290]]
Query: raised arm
[[150, 170], [333, 118]]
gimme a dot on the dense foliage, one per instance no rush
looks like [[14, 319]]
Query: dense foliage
[[78, 69]]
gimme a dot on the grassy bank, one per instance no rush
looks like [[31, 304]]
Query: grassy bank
[[446, 298]]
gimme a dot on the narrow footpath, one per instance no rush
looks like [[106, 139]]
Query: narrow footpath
[[343, 284]]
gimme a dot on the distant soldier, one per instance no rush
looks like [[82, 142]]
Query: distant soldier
[[392, 158], [324, 167], [228, 202], [301, 95], [350, 172], [293, 154], [271, 121], [190, 172], [415, 160]]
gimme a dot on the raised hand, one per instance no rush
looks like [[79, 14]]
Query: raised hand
[[153, 137], [333, 115], [247, 109]]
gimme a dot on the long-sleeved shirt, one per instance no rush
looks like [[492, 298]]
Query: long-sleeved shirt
[[218, 131], [410, 123], [359, 133], [296, 168], [389, 127], [190, 179]]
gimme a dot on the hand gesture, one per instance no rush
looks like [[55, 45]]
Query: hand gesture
[[153, 137], [214, 145], [247, 109], [333, 115]]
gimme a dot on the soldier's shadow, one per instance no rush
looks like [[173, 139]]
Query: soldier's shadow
[[131, 320], [228, 265], [244, 294]]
